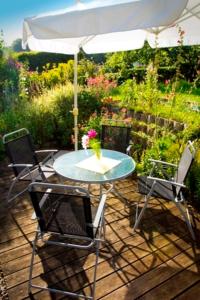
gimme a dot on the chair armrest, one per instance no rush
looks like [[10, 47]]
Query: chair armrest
[[128, 149], [48, 157], [163, 162], [100, 211], [45, 197], [46, 151], [167, 181], [20, 165]]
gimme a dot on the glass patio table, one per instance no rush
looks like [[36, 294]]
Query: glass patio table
[[68, 166]]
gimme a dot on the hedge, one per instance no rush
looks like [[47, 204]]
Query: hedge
[[38, 60]]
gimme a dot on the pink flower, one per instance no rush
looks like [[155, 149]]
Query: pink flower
[[89, 139], [92, 134], [167, 81], [100, 82]]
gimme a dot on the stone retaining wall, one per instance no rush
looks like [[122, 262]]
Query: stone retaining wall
[[162, 122]]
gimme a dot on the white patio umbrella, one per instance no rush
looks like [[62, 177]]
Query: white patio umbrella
[[111, 25]]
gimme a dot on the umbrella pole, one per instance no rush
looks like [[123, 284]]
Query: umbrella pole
[[75, 110]]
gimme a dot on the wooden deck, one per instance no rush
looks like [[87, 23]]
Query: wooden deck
[[158, 262]]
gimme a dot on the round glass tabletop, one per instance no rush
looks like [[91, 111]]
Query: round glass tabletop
[[69, 165]]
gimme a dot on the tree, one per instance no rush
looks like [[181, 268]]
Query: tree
[[1, 45], [125, 65], [17, 45]]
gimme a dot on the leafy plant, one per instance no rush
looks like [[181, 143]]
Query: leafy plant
[[100, 86], [150, 86], [9, 74], [131, 92]]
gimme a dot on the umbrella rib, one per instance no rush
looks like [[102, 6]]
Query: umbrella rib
[[86, 40], [195, 14], [189, 13]]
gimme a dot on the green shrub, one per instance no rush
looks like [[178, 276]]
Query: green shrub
[[166, 148], [88, 103], [86, 69], [9, 75], [149, 87], [33, 84], [193, 181], [48, 117], [38, 60], [131, 92], [100, 86]]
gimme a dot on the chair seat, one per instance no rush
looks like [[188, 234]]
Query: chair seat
[[161, 189]]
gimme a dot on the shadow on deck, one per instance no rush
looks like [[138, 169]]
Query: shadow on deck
[[159, 261]]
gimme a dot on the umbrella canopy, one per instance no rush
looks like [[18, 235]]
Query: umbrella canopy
[[101, 26], [112, 25], [188, 22]]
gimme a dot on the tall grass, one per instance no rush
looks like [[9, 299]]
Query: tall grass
[[47, 117]]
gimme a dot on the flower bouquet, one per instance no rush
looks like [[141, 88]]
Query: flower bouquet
[[90, 140]]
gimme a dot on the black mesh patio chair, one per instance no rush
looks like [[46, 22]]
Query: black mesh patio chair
[[116, 138], [24, 160], [170, 189], [66, 218]]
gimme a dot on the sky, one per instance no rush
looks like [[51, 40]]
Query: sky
[[13, 12]]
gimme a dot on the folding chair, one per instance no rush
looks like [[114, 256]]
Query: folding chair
[[169, 189], [24, 160], [116, 138], [65, 212]]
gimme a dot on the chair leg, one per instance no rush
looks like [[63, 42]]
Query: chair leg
[[32, 261], [138, 218], [15, 180], [95, 269], [147, 197], [104, 229], [118, 194], [185, 215], [9, 199]]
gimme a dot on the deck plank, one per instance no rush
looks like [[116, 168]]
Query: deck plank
[[180, 279], [132, 265], [191, 293]]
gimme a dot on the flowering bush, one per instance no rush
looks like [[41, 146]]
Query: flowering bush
[[33, 83], [101, 86], [90, 140]]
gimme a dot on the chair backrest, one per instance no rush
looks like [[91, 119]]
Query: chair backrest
[[62, 209], [184, 165], [20, 149], [115, 137]]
